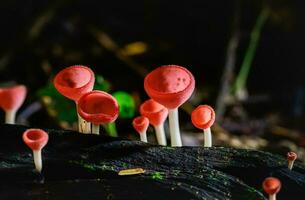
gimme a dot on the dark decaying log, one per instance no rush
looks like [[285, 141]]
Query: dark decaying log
[[80, 166]]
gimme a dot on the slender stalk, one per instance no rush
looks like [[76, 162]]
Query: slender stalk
[[37, 160], [80, 123], [272, 197], [83, 125], [290, 164], [10, 116], [86, 127], [174, 127], [111, 129], [242, 77], [143, 137], [207, 137], [160, 134], [95, 129]]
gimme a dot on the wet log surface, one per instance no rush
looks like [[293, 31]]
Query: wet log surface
[[79, 166]]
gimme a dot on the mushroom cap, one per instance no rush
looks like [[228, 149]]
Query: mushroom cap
[[291, 156], [11, 98], [155, 112], [98, 107], [36, 139], [272, 185], [203, 117], [170, 85], [141, 124], [72, 82]]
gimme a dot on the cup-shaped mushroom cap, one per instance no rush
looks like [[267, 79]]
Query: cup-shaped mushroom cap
[[12, 98], [72, 82], [203, 117], [155, 112], [36, 139], [291, 156], [271, 185], [98, 107], [141, 124], [170, 85]]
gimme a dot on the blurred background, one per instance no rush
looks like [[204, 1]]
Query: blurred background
[[247, 58]]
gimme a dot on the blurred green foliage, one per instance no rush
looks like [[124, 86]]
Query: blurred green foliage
[[64, 110], [126, 103]]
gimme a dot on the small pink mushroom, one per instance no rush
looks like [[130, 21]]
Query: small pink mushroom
[[98, 108], [272, 186], [291, 157], [171, 86], [141, 124], [157, 114], [203, 118], [36, 139], [11, 99], [73, 82]]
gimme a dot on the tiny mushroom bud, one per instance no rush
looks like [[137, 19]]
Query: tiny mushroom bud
[[272, 186], [171, 86], [36, 139], [141, 124], [73, 82], [98, 108], [203, 118], [291, 157], [157, 114], [11, 100]]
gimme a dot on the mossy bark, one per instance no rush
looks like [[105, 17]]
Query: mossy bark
[[86, 166]]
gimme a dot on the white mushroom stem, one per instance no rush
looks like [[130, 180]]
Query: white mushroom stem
[[86, 127], [10, 116], [83, 125], [95, 129], [143, 137], [160, 134], [174, 127], [37, 160], [207, 137], [290, 164], [272, 197]]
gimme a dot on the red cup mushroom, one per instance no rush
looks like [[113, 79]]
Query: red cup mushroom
[[11, 99], [98, 108], [141, 124], [203, 118], [272, 186], [36, 139], [291, 157], [73, 82], [171, 86], [157, 114]]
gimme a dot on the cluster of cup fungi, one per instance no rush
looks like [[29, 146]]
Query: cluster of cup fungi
[[168, 87]]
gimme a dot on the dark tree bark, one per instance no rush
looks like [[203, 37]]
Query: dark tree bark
[[79, 166]]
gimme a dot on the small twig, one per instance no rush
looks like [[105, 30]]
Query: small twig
[[242, 77], [228, 71], [108, 43]]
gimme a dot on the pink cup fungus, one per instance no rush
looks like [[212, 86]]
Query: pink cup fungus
[[11, 99], [171, 86], [36, 139], [157, 114], [98, 108], [272, 186], [291, 157], [141, 124], [73, 82], [203, 118]]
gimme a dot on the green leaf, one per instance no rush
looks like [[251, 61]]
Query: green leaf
[[126, 103]]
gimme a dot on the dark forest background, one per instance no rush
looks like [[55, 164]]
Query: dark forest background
[[123, 40]]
